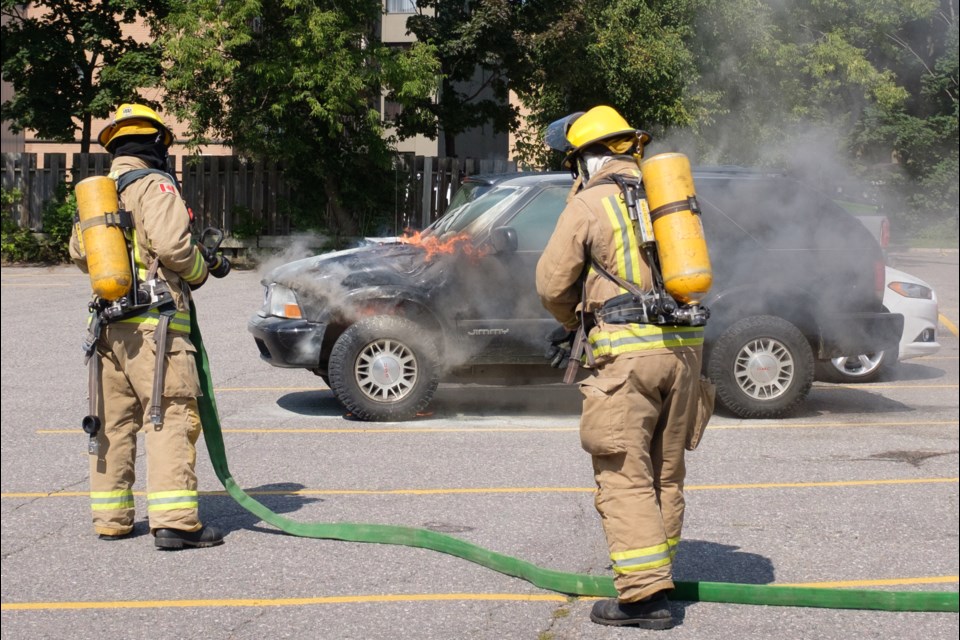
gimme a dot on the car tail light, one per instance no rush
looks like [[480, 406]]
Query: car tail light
[[884, 234]]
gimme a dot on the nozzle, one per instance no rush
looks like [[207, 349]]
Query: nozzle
[[91, 425]]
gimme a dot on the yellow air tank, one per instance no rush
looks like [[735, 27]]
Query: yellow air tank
[[103, 240], [684, 261]]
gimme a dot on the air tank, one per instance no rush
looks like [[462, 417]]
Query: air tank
[[682, 248], [103, 241]]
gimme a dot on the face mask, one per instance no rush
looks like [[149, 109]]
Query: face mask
[[594, 164]]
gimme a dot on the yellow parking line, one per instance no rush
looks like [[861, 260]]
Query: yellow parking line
[[284, 602], [404, 430], [477, 490], [392, 598], [871, 387], [807, 485], [819, 425], [862, 584], [6, 273], [949, 325], [226, 389], [48, 432], [32, 284]]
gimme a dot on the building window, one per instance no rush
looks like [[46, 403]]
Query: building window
[[391, 110], [401, 6]]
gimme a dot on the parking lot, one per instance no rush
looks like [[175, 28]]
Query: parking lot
[[857, 490]]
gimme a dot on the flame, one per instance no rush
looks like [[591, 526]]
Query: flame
[[434, 246]]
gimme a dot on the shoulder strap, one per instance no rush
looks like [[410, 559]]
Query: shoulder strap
[[627, 286], [128, 178]]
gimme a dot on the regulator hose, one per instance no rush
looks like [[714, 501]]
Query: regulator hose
[[552, 580]]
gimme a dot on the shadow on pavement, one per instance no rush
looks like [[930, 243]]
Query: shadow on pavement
[[227, 514]]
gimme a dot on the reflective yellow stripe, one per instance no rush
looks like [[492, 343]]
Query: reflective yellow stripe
[[174, 505], [625, 244], [111, 500], [673, 542], [177, 493], [641, 559], [197, 272], [168, 500], [643, 337], [137, 258], [179, 322]]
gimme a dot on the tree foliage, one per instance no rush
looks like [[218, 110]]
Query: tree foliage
[[862, 88], [828, 87], [71, 61], [631, 54], [921, 134], [477, 50], [300, 82]]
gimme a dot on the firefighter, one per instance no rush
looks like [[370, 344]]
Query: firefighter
[[641, 403], [129, 362]]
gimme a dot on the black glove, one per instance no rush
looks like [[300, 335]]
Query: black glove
[[561, 344]]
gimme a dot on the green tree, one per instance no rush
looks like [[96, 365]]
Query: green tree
[[921, 135], [70, 61], [299, 82], [779, 68], [633, 55], [476, 46], [867, 86]]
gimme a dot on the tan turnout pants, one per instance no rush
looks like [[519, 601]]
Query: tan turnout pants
[[638, 412], [127, 358]]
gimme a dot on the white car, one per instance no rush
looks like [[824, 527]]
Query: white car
[[917, 301]]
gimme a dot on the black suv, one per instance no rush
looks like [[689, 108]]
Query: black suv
[[796, 279]]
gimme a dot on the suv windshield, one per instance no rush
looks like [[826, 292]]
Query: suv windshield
[[477, 215]]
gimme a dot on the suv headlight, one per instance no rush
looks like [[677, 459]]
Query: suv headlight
[[280, 301]]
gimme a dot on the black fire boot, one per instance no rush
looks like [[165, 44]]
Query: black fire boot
[[178, 539], [649, 613]]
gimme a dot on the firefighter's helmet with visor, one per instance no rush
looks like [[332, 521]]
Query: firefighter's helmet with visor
[[600, 125], [134, 120]]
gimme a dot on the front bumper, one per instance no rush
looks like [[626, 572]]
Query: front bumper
[[285, 342], [857, 333], [920, 331]]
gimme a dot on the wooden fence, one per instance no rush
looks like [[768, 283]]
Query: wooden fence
[[237, 195]]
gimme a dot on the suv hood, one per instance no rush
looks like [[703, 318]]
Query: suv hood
[[344, 282], [371, 265]]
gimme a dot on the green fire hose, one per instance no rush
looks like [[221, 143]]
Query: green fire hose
[[568, 583]]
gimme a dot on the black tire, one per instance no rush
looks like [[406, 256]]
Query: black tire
[[853, 369], [407, 376], [762, 366]]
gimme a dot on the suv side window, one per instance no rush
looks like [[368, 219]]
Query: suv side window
[[536, 221]]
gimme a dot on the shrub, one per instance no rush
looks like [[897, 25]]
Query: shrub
[[24, 245]]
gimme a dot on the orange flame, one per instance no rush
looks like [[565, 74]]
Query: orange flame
[[434, 246]]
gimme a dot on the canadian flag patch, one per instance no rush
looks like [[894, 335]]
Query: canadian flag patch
[[167, 188]]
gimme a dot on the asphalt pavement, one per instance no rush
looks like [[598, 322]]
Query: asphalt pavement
[[859, 489]]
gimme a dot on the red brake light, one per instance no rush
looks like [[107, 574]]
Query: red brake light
[[884, 234]]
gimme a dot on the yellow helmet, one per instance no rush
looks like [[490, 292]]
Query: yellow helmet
[[134, 120], [600, 124]]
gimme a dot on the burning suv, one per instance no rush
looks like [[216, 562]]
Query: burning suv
[[796, 280]]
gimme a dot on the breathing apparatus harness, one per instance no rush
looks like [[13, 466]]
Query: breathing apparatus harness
[[146, 296], [654, 307]]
